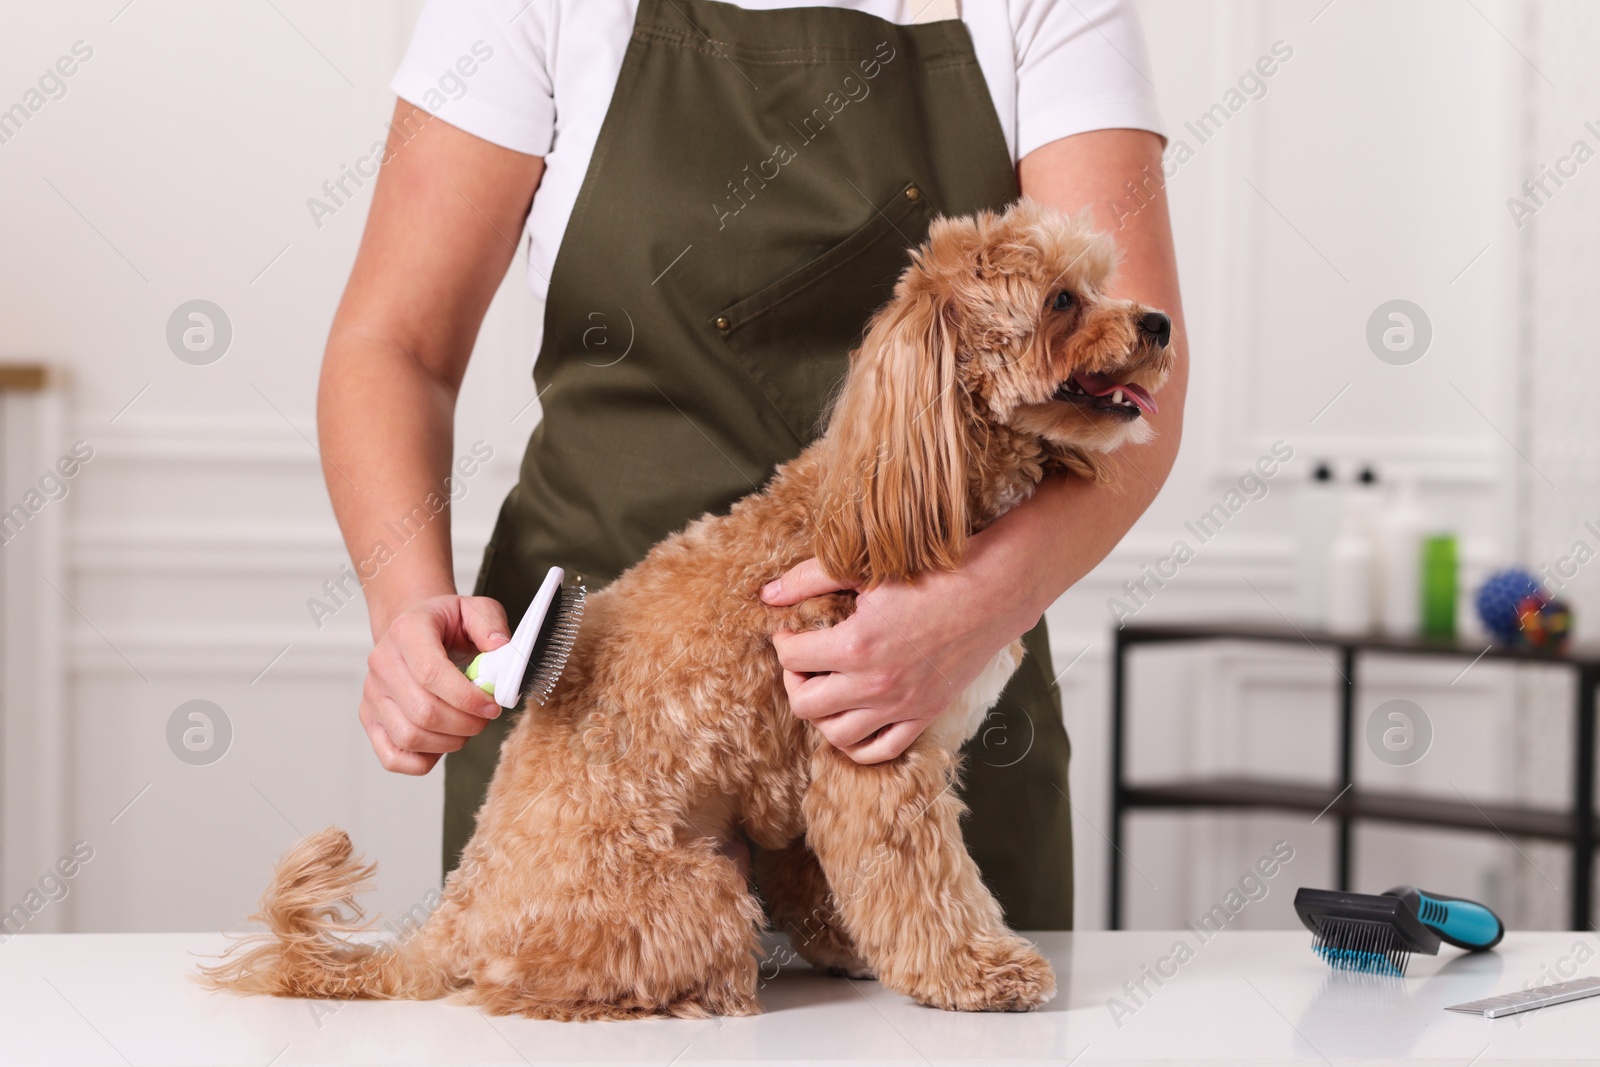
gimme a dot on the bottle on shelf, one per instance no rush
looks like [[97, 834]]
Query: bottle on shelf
[[1439, 580], [1401, 531], [1318, 518], [1349, 597], [1367, 510]]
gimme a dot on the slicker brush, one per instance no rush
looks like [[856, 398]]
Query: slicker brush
[[530, 664]]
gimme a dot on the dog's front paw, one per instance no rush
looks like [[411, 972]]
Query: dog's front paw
[[1003, 974]]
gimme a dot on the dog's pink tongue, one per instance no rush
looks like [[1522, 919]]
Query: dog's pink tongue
[[1100, 385]]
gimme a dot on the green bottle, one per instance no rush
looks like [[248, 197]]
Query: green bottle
[[1439, 585]]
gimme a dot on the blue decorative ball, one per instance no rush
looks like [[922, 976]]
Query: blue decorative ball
[[1498, 598]]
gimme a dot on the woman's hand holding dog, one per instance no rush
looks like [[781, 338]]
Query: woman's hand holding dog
[[416, 705], [874, 682]]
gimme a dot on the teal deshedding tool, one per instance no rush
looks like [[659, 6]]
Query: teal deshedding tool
[[531, 663], [1378, 934]]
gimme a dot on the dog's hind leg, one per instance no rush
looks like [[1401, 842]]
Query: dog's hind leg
[[620, 927], [801, 904], [888, 836]]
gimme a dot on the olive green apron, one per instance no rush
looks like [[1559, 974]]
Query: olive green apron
[[755, 187]]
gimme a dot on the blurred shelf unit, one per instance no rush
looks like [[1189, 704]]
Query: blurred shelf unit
[[22, 377], [1343, 800], [32, 606]]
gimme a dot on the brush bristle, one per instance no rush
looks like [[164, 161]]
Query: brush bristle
[[1358, 945], [562, 634]]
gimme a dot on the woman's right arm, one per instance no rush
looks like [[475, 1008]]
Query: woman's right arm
[[446, 217]]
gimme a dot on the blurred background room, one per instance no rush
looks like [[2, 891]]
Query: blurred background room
[[1386, 218]]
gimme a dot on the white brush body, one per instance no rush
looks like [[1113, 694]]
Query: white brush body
[[501, 671]]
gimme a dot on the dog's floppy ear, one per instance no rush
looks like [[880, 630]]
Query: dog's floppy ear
[[893, 492]]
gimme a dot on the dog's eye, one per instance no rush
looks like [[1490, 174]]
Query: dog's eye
[[1062, 302]]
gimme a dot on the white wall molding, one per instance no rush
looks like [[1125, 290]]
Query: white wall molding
[[207, 440], [242, 657], [1429, 463], [310, 551]]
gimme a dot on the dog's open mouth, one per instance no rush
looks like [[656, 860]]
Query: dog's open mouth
[[1104, 394]]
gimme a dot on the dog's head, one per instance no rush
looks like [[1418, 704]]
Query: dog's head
[[1038, 345], [1000, 349]]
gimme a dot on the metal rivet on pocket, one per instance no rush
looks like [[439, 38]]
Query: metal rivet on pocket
[[913, 193], [721, 322]]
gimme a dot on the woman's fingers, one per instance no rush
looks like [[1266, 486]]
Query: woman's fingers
[[407, 736], [390, 756], [830, 686], [886, 744], [836, 648], [426, 712], [422, 649], [801, 582], [431, 671], [483, 620], [848, 728], [816, 696]]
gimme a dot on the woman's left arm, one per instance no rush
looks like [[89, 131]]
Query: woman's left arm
[[875, 681]]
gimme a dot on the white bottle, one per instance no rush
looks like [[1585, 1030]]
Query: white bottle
[[1352, 573], [1366, 503], [1401, 552], [1349, 595], [1318, 516], [1365, 500]]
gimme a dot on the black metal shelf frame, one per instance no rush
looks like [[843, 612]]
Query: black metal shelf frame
[[1345, 801]]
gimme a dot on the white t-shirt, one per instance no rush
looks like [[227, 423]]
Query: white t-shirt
[[536, 76]]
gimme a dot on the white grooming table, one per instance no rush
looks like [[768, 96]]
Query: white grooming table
[[117, 999]]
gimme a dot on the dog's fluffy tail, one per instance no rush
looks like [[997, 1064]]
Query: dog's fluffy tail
[[307, 908]]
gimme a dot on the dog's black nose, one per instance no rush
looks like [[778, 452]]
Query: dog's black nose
[[1157, 326]]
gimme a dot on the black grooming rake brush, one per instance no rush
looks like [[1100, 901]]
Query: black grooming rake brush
[[1377, 934]]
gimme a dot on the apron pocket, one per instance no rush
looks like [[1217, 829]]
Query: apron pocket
[[794, 337]]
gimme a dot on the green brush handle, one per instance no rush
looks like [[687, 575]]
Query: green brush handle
[[1462, 923], [474, 669]]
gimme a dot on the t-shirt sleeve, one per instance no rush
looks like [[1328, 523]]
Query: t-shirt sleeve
[[1081, 65], [483, 66]]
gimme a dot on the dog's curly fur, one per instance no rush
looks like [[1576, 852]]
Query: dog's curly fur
[[596, 886]]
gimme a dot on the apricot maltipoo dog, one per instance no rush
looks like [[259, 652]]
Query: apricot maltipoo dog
[[602, 888]]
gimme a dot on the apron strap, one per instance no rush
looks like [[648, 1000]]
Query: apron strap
[[935, 10]]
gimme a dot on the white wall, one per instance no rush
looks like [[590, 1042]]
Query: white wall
[[177, 167], [1558, 377]]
